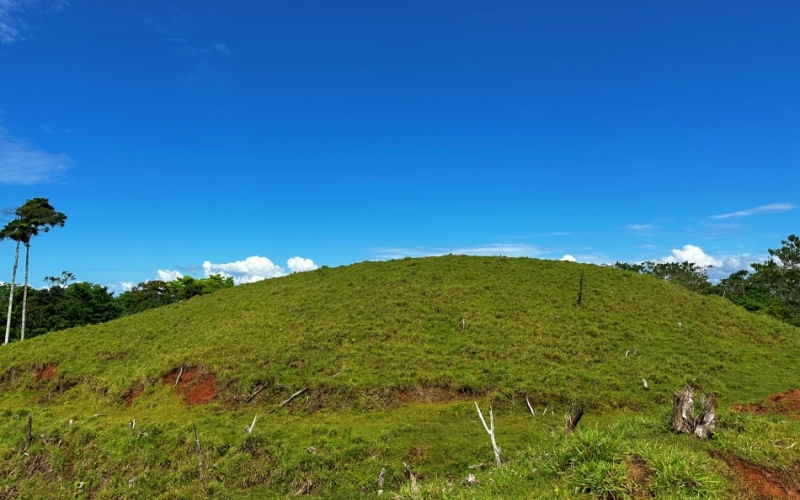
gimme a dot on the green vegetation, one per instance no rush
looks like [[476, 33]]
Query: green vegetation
[[391, 375], [66, 305]]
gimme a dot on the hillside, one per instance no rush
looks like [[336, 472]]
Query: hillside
[[388, 373]]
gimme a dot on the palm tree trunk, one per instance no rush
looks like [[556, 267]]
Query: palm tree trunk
[[11, 296], [25, 292]]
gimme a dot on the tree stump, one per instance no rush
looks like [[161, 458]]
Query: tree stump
[[683, 419]]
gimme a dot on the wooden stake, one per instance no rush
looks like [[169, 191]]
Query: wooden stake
[[199, 459], [380, 478], [411, 477], [533, 412], [580, 290], [572, 421], [490, 430], [28, 433]]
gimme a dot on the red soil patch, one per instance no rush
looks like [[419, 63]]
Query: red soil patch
[[767, 483], [786, 403], [196, 388], [47, 372], [132, 394]]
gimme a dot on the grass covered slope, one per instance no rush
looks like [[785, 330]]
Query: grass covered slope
[[395, 326], [390, 376]]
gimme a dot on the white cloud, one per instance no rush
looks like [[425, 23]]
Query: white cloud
[[721, 267], [640, 227], [772, 207], [165, 275], [118, 288], [299, 264], [257, 268], [693, 254], [23, 163], [569, 258]]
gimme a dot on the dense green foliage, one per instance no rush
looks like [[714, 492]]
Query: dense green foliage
[[772, 288], [66, 305], [390, 376]]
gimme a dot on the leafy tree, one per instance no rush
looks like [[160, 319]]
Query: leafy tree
[[61, 307], [745, 289], [36, 214], [780, 276], [687, 274], [157, 293]]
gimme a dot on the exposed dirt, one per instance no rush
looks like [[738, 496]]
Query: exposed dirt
[[430, 395], [785, 403], [132, 394], [196, 386], [640, 477], [8, 492], [46, 372], [766, 482]]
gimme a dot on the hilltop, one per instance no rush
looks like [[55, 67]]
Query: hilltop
[[389, 357]]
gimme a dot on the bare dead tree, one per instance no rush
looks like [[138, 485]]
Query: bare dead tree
[[490, 431], [199, 459], [580, 289]]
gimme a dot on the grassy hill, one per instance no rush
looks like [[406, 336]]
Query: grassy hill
[[389, 376]]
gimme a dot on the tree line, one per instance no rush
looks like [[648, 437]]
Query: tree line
[[772, 287], [65, 302]]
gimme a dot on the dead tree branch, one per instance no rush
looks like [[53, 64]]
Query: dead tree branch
[[490, 431], [178, 378], [256, 393]]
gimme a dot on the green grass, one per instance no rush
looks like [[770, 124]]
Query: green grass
[[391, 377]]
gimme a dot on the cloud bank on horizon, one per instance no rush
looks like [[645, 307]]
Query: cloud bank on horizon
[[250, 270]]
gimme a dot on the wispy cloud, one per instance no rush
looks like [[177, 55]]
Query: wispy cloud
[[202, 54], [10, 20], [506, 249], [763, 209], [23, 163], [15, 15], [640, 227]]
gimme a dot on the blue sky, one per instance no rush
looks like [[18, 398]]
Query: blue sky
[[195, 136]]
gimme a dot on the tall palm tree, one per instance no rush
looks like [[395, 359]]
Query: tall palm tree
[[35, 214], [14, 230]]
